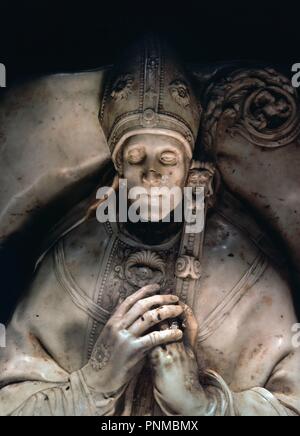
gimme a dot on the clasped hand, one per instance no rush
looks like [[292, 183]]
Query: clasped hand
[[139, 329]]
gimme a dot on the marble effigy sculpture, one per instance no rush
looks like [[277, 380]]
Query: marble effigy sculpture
[[146, 319]]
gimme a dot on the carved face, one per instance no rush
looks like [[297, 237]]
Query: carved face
[[155, 161]]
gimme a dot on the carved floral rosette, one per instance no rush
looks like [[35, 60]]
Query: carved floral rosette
[[259, 104]]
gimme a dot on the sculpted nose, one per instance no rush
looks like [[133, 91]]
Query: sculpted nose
[[152, 178]]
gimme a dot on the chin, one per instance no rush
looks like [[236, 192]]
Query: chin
[[154, 212], [154, 218], [157, 216]]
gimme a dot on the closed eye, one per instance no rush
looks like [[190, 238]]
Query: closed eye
[[136, 155], [168, 158]]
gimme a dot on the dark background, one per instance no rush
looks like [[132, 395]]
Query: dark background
[[49, 36], [38, 37]]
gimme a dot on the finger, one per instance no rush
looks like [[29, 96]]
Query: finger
[[176, 347], [173, 349], [178, 350], [142, 306], [130, 301], [153, 317], [156, 356], [190, 325], [156, 338], [165, 356]]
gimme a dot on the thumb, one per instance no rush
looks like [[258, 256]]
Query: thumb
[[190, 325]]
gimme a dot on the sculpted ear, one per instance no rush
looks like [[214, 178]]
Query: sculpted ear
[[118, 162]]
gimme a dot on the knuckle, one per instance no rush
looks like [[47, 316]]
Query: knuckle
[[144, 290], [153, 316], [129, 300], [140, 345], [151, 340], [168, 310], [165, 312], [145, 318], [114, 332], [109, 326], [141, 305], [123, 342], [125, 339], [137, 345], [168, 299], [151, 287], [120, 325], [177, 334], [113, 327], [155, 337], [173, 333], [168, 360], [176, 310]]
